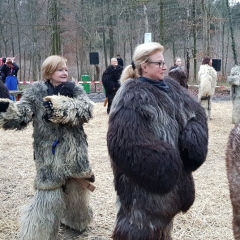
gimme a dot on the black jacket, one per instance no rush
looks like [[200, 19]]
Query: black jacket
[[110, 79], [6, 71]]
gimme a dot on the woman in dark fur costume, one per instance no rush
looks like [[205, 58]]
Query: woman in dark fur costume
[[157, 136], [58, 110], [110, 81]]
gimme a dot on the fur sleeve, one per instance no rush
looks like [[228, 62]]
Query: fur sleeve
[[135, 150], [15, 117], [73, 111], [193, 143], [193, 139]]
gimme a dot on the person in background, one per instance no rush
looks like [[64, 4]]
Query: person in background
[[207, 78], [58, 109], [10, 68], [110, 81], [177, 63], [120, 60], [179, 75], [2, 74], [157, 136]]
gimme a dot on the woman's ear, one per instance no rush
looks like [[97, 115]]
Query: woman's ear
[[144, 67]]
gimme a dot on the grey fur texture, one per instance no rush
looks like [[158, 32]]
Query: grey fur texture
[[55, 166], [207, 77], [234, 80], [41, 218], [233, 174], [155, 140], [78, 214]]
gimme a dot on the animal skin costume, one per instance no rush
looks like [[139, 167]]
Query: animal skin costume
[[233, 175], [110, 80], [60, 154], [157, 136], [234, 80], [207, 77]]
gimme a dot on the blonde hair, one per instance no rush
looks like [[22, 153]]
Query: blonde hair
[[51, 64], [113, 59], [142, 53]]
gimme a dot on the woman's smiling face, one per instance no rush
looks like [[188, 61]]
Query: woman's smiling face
[[60, 75]]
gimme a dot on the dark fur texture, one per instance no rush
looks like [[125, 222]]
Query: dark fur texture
[[179, 74], [155, 140], [4, 93], [110, 81], [233, 174]]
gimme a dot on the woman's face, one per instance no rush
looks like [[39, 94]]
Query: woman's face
[[155, 67], [60, 75]]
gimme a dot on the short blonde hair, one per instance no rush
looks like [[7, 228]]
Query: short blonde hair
[[51, 64], [142, 53]]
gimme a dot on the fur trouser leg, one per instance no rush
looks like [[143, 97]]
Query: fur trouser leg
[[41, 219], [78, 213], [152, 230], [236, 111], [206, 104]]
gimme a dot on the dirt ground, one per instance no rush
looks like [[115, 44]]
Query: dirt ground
[[209, 218]]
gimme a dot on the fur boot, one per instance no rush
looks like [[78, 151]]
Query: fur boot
[[41, 219], [78, 213]]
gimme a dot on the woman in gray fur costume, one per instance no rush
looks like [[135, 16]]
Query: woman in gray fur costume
[[157, 136], [58, 110], [207, 78]]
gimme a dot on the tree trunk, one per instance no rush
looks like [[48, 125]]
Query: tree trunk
[[55, 31], [18, 38], [194, 41], [188, 40], [232, 33], [161, 24]]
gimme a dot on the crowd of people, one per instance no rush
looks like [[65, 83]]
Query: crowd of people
[[8, 74], [157, 136]]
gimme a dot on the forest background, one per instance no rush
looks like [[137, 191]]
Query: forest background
[[31, 30]]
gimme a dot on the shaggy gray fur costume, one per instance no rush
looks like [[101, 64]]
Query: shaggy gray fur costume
[[60, 153], [234, 80], [207, 77], [155, 139]]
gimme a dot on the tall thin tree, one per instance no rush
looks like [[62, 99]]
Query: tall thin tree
[[232, 33]]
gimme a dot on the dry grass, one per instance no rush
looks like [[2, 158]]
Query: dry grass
[[209, 218]]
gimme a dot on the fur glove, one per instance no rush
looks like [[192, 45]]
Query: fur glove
[[49, 110], [66, 89]]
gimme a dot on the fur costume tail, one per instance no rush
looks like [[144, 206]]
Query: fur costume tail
[[41, 219]]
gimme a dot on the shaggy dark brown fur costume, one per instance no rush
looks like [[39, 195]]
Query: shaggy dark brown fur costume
[[233, 174], [155, 139]]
